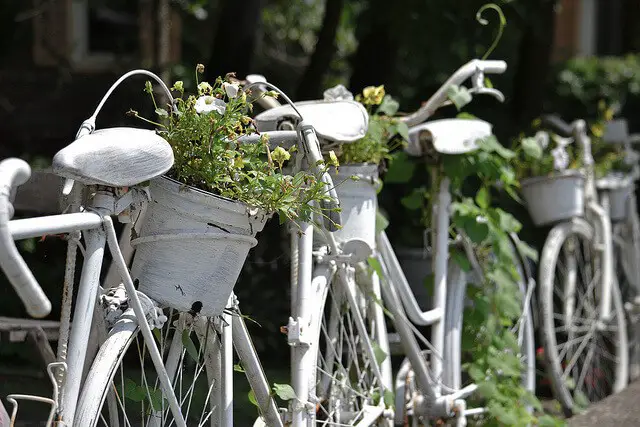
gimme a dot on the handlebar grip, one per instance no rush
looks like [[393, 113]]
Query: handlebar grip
[[493, 66], [14, 172], [557, 125], [332, 219]]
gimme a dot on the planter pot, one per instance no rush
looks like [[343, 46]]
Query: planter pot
[[619, 190], [554, 198], [359, 202], [192, 246]]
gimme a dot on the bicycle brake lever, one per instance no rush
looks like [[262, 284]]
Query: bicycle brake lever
[[488, 91]]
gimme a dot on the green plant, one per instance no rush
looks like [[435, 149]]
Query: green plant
[[544, 154], [589, 80], [384, 133], [607, 157], [490, 341], [203, 131]]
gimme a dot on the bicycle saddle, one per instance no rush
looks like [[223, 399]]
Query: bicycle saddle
[[448, 136], [338, 121], [115, 157]]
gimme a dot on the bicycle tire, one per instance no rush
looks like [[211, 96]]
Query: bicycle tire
[[572, 234], [94, 406], [339, 351], [624, 269]]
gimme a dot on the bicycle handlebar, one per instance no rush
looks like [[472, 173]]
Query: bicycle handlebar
[[15, 172], [557, 125], [332, 220], [476, 67]]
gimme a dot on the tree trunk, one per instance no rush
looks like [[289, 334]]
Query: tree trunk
[[374, 62], [311, 81], [146, 33], [235, 40], [532, 69]]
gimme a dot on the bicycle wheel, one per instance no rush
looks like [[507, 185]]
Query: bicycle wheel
[[625, 265], [122, 387], [348, 383], [586, 360]]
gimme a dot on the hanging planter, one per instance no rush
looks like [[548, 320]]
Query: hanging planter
[[554, 198], [358, 200], [192, 246], [619, 190], [205, 214]]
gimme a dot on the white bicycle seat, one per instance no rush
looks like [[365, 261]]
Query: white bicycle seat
[[338, 121], [115, 157], [449, 136]]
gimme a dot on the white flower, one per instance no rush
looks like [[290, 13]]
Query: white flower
[[542, 138], [338, 93], [231, 89], [560, 158], [206, 104]]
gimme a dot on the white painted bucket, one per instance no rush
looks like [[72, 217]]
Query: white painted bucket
[[359, 202], [192, 246], [554, 198], [619, 190]]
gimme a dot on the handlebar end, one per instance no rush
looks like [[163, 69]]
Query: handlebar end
[[21, 171]]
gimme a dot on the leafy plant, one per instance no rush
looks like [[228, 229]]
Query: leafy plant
[[607, 157], [490, 334], [384, 134], [589, 80], [544, 154], [203, 131]]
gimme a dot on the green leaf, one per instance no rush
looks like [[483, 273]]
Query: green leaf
[[549, 421], [490, 144], [157, 333], [415, 200], [487, 389], [531, 148], [375, 265], [389, 398], [156, 398], [527, 251], [477, 231], [460, 259], [379, 353], [400, 169], [403, 130], [508, 222], [28, 245], [483, 198], [238, 368], [459, 95], [570, 383], [375, 130], [581, 400], [465, 115], [189, 345], [487, 82], [162, 112], [476, 373], [252, 398], [284, 391], [381, 222], [389, 106]]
